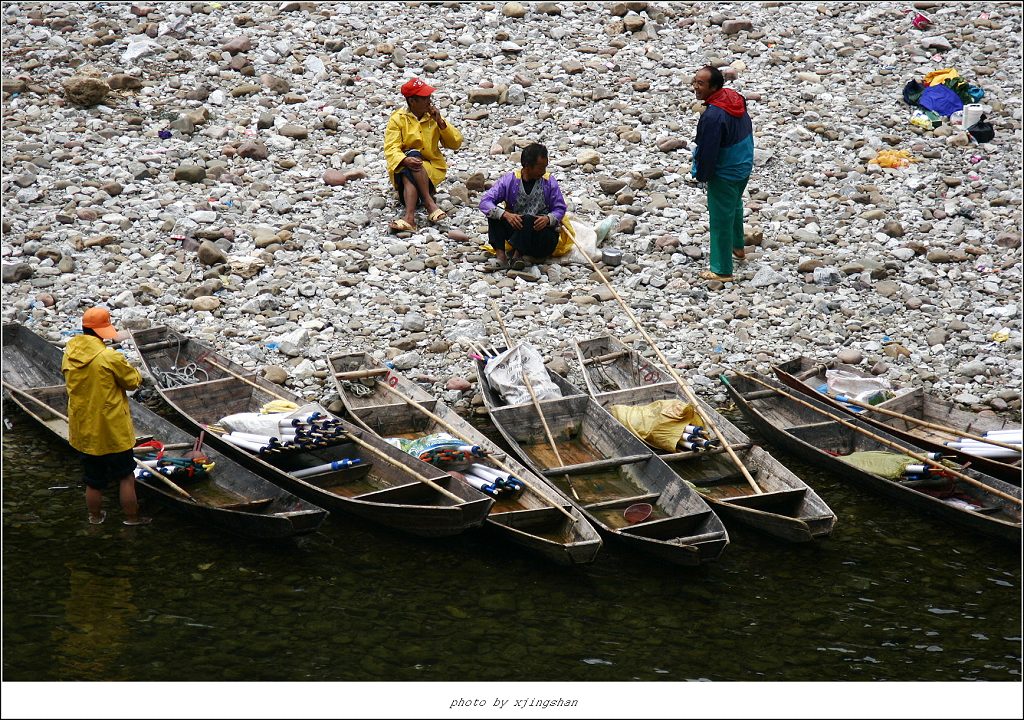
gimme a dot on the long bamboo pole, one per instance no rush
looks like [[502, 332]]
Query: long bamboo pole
[[454, 431], [903, 450], [934, 426], [679, 381], [174, 486], [533, 397], [366, 446]]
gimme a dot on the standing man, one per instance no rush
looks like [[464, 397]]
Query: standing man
[[411, 150], [534, 208], [99, 418], [723, 158]]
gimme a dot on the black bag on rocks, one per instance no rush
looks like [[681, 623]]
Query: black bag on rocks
[[982, 131]]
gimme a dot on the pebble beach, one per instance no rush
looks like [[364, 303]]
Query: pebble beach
[[218, 168]]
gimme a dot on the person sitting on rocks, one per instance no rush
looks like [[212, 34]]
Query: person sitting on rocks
[[534, 208], [411, 150]]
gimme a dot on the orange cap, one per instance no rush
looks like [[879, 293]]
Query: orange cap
[[416, 87], [97, 319]]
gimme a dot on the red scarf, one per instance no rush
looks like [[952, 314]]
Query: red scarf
[[729, 100]]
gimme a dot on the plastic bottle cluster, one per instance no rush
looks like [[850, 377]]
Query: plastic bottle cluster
[[986, 450], [314, 431], [695, 438], [492, 481]]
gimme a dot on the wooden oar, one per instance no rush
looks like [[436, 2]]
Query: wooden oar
[[366, 446], [156, 472], [456, 433], [933, 426], [691, 398], [533, 397], [901, 449]]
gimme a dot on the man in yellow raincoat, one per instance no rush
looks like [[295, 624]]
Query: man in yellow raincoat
[[412, 151], [99, 417]]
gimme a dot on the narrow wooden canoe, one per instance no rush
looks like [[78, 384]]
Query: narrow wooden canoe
[[786, 508], [231, 497], [809, 434], [385, 486], [606, 471], [530, 518], [807, 376]]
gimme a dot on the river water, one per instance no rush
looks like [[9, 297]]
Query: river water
[[891, 596]]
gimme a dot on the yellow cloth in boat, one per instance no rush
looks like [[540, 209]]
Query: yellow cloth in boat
[[278, 406], [889, 465], [660, 424]]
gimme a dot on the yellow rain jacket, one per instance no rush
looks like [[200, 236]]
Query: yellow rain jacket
[[405, 132], [98, 413]]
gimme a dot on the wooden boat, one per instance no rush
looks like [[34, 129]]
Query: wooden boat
[[786, 508], [530, 518], [807, 376], [385, 486], [608, 471], [230, 497], [822, 441]]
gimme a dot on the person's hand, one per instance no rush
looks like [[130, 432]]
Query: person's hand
[[413, 163], [541, 222], [514, 220], [434, 112]]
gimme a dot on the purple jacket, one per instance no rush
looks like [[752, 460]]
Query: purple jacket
[[507, 190]]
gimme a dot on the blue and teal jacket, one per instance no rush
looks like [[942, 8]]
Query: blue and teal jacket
[[725, 139]]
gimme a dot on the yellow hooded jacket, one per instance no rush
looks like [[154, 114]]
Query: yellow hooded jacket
[[405, 132], [99, 418]]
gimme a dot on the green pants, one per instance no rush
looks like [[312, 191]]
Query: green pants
[[725, 208]]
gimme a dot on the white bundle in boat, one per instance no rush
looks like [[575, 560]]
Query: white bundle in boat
[[270, 423], [505, 374], [843, 382]]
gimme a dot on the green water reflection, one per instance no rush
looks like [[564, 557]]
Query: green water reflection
[[890, 597]]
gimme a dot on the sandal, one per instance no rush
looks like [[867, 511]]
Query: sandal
[[400, 225], [518, 264], [708, 275], [437, 216], [137, 521], [103, 516], [494, 265], [740, 255]]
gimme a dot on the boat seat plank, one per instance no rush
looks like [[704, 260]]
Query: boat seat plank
[[723, 479], [605, 358], [926, 482], [760, 394], [331, 478], [809, 426], [360, 374], [598, 464], [247, 506], [768, 499], [667, 528], [648, 498], [671, 457], [207, 383], [407, 493], [705, 537], [161, 345]]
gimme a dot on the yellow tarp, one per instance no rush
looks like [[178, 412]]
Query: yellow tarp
[[659, 424], [937, 77]]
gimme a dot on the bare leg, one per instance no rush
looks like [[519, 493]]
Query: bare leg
[[129, 503], [423, 187], [94, 503], [409, 195]]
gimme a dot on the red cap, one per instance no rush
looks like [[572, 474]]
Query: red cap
[[416, 87], [97, 319]]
